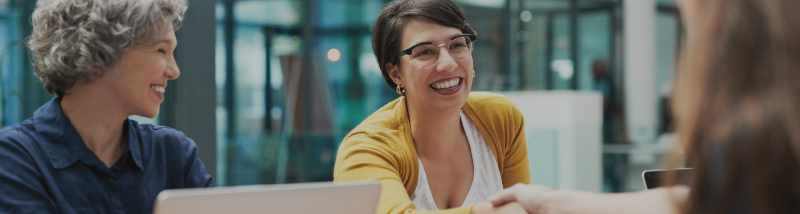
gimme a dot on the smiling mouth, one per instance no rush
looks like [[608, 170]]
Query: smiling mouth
[[446, 85], [159, 89]]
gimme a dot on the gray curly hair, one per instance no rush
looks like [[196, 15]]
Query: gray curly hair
[[71, 39]]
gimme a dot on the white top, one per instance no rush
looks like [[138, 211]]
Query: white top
[[486, 179]]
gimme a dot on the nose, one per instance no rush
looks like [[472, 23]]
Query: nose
[[446, 62], [172, 72]]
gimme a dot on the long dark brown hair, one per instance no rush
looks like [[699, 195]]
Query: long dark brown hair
[[737, 107]]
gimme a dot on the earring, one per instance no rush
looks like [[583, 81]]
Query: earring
[[401, 90], [473, 73]]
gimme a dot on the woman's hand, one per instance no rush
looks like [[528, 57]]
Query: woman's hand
[[541, 199], [532, 197], [507, 208]]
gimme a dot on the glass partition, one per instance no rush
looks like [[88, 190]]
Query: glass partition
[[303, 73]]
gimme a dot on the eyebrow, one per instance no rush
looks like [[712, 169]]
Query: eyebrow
[[448, 39], [168, 41]]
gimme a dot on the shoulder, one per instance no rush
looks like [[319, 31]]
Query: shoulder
[[164, 136], [384, 124], [20, 147], [376, 140], [159, 132], [386, 117], [382, 133], [484, 100], [19, 136], [493, 107], [497, 118], [374, 154]]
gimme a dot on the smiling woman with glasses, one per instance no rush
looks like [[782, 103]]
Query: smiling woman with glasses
[[427, 53], [438, 146]]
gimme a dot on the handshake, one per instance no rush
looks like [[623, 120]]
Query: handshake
[[535, 199]]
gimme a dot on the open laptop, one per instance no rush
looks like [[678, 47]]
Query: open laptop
[[324, 197], [653, 178]]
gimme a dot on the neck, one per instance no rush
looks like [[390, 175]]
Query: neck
[[98, 123], [434, 131]]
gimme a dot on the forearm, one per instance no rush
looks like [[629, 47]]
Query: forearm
[[662, 200]]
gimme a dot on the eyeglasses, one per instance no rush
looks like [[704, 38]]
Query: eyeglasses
[[427, 53]]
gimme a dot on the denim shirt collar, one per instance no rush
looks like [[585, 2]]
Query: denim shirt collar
[[64, 146]]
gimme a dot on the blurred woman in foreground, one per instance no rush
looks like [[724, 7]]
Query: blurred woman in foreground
[[738, 118]]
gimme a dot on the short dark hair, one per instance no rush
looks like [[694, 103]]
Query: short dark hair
[[390, 23]]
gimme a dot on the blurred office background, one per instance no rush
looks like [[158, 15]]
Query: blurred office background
[[269, 88]]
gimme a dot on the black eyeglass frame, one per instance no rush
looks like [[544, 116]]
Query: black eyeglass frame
[[407, 51]]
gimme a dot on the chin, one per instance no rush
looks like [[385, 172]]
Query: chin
[[152, 113], [461, 99], [454, 104]]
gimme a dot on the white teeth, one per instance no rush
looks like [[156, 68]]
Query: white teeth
[[159, 89], [446, 84]]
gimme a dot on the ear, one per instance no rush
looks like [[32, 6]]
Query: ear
[[394, 73], [96, 73]]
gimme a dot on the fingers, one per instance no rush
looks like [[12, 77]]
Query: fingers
[[502, 197], [507, 195], [513, 207]]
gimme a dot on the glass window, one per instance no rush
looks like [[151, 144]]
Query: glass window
[[301, 82], [21, 93], [304, 73]]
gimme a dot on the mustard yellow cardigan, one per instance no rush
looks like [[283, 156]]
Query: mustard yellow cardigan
[[381, 148]]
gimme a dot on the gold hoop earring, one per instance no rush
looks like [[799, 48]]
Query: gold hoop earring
[[400, 90]]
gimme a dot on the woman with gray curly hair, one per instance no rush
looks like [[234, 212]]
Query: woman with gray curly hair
[[104, 61]]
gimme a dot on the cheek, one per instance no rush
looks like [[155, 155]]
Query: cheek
[[155, 67], [466, 64], [411, 74]]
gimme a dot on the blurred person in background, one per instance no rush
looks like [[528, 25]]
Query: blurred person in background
[[104, 61], [614, 165], [438, 147], [604, 85], [737, 121]]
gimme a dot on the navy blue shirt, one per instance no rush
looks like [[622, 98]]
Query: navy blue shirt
[[45, 167]]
